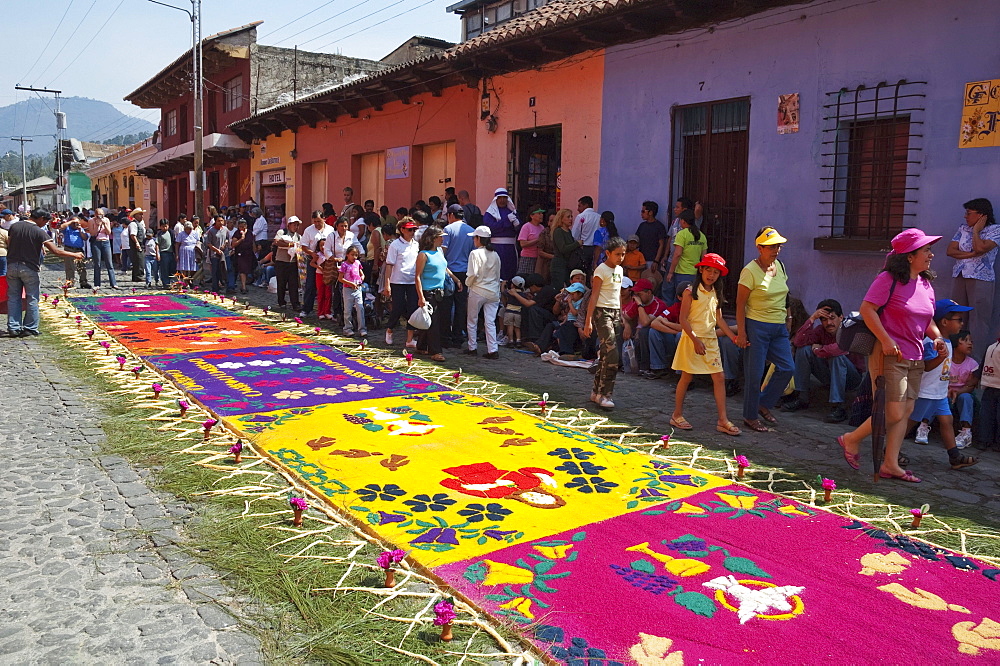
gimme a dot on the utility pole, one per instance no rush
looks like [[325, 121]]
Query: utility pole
[[24, 171], [196, 86], [61, 181]]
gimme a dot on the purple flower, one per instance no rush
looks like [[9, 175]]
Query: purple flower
[[389, 558], [298, 503], [659, 464], [387, 518], [437, 535], [497, 534], [651, 492], [236, 448], [742, 461], [444, 613], [207, 425], [829, 484], [679, 479]]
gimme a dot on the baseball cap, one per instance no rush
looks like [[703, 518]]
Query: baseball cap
[[292, 218], [483, 232], [633, 237], [946, 306], [642, 284], [576, 271], [6, 211], [517, 281], [626, 282], [456, 209], [408, 224], [576, 287]]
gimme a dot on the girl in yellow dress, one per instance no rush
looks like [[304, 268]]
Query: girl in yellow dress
[[698, 348]]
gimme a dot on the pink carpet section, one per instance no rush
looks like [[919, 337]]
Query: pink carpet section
[[733, 575]]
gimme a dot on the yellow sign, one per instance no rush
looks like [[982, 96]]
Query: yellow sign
[[981, 115], [450, 476]]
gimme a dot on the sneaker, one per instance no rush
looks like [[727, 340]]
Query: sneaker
[[305, 314], [964, 438], [363, 334], [923, 430], [606, 402], [837, 415], [388, 337], [349, 334], [412, 344]]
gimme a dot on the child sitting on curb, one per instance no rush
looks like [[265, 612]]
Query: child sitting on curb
[[962, 384]]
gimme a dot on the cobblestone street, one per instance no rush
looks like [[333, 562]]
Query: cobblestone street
[[91, 571]]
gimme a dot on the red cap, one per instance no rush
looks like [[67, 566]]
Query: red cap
[[642, 284], [713, 260]]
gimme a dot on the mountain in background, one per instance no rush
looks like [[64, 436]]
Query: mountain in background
[[86, 119]]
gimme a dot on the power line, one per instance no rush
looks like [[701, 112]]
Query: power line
[[79, 53], [67, 42], [379, 23], [52, 35], [352, 22], [296, 20], [286, 39]]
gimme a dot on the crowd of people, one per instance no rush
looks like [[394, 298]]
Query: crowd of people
[[568, 285]]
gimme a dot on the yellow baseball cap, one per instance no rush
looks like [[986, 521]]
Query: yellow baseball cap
[[769, 237]]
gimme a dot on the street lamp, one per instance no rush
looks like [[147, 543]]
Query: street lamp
[[197, 83]]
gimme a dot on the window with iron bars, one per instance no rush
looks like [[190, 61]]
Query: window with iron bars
[[871, 152]]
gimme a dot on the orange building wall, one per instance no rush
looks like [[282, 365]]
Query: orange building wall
[[568, 92], [425, 120]]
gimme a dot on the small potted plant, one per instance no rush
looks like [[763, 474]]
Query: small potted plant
[[387, 560], [829, 485], [183, 405], [299, 506], [918, 514], [208, 425], [237, 451], [741, 464], [157, 388], [444, 615]]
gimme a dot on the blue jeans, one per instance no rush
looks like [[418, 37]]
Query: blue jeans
[[218, 273], [669, 289], [768, 342], [309, 289], [837, 372], [568, 334], [167, 268], [731, 359], [21, 276], [963, 407], [231, 273], [152, 267], [661, 349], [3, 266], [353, 299], [102, 255]]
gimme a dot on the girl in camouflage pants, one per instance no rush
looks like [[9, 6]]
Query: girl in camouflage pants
[[604, 315]]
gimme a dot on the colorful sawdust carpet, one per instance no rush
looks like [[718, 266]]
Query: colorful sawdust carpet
[[604, 555]]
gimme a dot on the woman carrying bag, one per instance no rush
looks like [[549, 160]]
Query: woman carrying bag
[[431, 275]]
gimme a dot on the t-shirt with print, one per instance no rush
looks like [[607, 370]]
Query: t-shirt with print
[[530, 232], [692, 250], [979, 268], [351, 272], [990, 377], [24, 243], [934, 383], [960, 372], [611, 285], [908, 311]]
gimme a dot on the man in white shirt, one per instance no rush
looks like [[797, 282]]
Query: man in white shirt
[[8, 218], [259, 229], [286, 263], [179, 227], [313, 234], [136, 235], [585, 226]]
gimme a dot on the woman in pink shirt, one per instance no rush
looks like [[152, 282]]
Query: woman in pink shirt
[[528, 237], [899, 310]]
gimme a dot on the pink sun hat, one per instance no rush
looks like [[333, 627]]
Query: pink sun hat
[[910, 240]]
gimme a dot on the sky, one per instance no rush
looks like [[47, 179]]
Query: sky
[[137, 38]]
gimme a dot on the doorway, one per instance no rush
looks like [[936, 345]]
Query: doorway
[[373, 178], [438, 169], [536, 158], [710, 153]]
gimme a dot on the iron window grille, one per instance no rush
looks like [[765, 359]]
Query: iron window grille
[[871, 150]]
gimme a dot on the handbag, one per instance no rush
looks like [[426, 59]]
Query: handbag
[[854, 336], [630, 364], [421, 317]]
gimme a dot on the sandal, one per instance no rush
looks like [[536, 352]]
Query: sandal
[[438, 357], [963, 461], [903, 460], [681, 423], [767, 415], [853, 459], [728, 429], [905, 476], [756, 425]]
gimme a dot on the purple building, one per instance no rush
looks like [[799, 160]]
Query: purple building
[[837, 122]]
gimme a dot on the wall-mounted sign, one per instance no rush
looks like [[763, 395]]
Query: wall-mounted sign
[[980, 115], [788, 113], [397, 163], [272, 177]]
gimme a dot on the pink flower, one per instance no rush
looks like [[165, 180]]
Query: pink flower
[[207, 425], [105, 344], [298, 503], [665, 439], [317, 329], [298, 320], [829, 484], [236, 448], [389, 558], [90, 334], [444, 613], [157, 387], [742, 461], [916, 512]]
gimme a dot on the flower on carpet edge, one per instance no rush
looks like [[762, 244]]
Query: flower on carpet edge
[[387, 493], [389, 558], [444, 613], [423, 502], [475, 513]]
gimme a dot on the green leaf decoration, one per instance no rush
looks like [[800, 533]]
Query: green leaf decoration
[[744, 566], [697, 603], [363, 509], [643, 565], [553, 542], [526, 590], [632, 504], [579, 536], [737, 492], [699, 480], [424, 523], [653, 484], [634, 490], [372, 427], [652, 513], [542, 586], [498, 597], [475, 573], [544, 567], [441, 521], [521, 562], [572, 556], [481, 540], [419, 530]]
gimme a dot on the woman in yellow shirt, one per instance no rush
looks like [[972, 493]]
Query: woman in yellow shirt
[[760, 318]]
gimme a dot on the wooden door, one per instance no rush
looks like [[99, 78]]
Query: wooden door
[[373, 178], [438, 169]]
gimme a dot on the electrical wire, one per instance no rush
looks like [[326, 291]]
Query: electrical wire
[[354, 21], [79, 53], [287, 39], [52, 36], [375, 25], [296, 20], [66, 43]]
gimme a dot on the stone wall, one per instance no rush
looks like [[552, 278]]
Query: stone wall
[[280, 73]]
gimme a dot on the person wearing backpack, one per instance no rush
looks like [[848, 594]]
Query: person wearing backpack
[[137, 239]]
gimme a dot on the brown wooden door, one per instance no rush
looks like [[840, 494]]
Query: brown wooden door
[[710, 152]]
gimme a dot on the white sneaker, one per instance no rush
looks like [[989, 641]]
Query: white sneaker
[[964, 438], [412, 344], [606, 402], [923, 430], [388, 337]]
